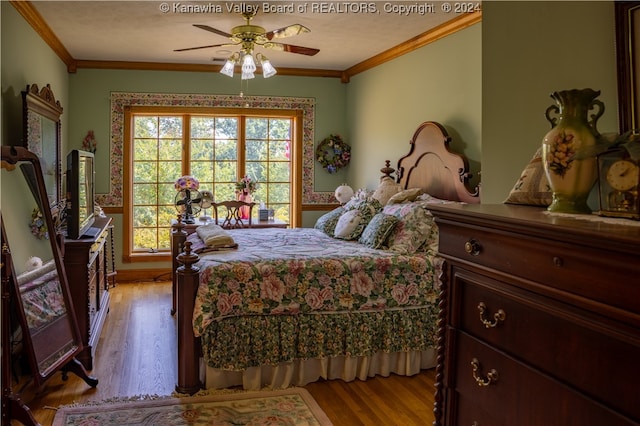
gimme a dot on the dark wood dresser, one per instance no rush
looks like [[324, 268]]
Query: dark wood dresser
[[540, 319], [89, 263]]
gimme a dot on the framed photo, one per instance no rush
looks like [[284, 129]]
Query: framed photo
[[627, 16]]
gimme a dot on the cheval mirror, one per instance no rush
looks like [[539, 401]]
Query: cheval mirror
[[41, 133], [34, 281]]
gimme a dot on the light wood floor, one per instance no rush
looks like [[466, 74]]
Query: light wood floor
[[136, 355]]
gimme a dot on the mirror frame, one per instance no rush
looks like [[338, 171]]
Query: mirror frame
[[63, 351], [627, 24], [38, 103]]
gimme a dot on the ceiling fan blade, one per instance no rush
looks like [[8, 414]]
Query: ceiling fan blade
[[288, 31], [309, 51], [204, 47], [213, 30]]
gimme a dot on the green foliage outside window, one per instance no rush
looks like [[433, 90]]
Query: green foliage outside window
[[213, 158]]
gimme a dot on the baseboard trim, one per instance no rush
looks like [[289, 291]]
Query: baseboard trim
[[131, 275]]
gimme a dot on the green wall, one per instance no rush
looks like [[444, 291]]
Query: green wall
[[26, 59], [90, 91], [529, 50], [439, 82]]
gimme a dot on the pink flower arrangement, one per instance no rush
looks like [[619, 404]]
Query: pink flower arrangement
[[247, 185], [89, 142]]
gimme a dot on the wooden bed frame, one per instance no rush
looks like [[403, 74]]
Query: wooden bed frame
[[429, 165]]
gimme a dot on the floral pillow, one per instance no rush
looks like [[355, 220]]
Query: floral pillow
[[375, 234], [532, 187], [328, 221], [354, 220], [416, 230]]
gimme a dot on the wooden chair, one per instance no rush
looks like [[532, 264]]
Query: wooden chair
[[233, 209]]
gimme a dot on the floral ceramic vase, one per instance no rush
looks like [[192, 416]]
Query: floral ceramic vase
[[247, 198], [572, 129]]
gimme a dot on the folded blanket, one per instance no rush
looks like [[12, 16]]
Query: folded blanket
[[198, 246], [214, 236]]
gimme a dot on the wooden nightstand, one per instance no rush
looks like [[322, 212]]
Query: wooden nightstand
[[540, 318]]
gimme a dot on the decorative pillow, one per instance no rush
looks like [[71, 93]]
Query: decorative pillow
[[415, 231], [327, 222], [386, 189], [376, 232], [347, 224], [532, 188], [360, 196], [352, 223], [406, 195]]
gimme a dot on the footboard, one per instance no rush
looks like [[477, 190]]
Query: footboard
[[187, 277]]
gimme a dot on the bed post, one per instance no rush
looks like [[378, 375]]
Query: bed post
[[188, 350], [178, 237]]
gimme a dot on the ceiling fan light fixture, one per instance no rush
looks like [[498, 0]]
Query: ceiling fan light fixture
[[230, 65], [248, 66], [228, 68], [267, 69]]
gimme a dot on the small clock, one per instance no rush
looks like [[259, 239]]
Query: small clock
[[618, 184]]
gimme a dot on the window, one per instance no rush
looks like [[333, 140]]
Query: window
[[218, 148]]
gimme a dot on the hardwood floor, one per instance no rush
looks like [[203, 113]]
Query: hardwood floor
[[136, 355]]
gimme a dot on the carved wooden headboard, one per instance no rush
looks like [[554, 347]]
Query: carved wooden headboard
[[430, 165]]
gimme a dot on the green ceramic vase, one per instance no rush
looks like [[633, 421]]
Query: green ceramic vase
[[572, 129]]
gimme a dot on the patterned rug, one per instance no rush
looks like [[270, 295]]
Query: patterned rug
[[282, 407]]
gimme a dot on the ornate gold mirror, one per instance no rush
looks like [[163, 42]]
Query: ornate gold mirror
[[41, 128], [40, 292]]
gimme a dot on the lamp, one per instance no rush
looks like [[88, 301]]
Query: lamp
[[343, 193], [188, 197], [248, 63]]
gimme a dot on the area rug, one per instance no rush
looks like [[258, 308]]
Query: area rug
[[293, 406]]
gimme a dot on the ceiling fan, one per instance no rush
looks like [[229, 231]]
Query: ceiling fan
[[248, 35]]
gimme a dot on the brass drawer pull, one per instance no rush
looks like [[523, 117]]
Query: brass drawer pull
[[492, 375], [472, 247], [497, 317]]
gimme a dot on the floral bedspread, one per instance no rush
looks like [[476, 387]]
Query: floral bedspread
[[297, 293]]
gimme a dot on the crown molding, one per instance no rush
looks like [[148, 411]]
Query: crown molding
[[441, 31], [31, 15]]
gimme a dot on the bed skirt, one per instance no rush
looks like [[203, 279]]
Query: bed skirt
[[302, 372]]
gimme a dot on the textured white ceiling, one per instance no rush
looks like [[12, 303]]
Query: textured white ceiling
[[346, 33]]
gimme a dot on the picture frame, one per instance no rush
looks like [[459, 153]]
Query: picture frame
[[627, 26]]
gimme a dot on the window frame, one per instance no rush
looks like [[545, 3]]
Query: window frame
[[296, 157]]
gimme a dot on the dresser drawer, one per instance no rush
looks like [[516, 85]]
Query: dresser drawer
[[543, 331], [572, 269], [518, 393], [469, 413]]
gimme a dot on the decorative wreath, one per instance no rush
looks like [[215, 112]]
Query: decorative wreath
[[333, 153], [38, 225]]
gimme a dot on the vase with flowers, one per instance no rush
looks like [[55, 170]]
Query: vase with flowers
[[245, 188], [89, 142]]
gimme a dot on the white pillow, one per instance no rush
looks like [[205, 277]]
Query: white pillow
[[347, 224]]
